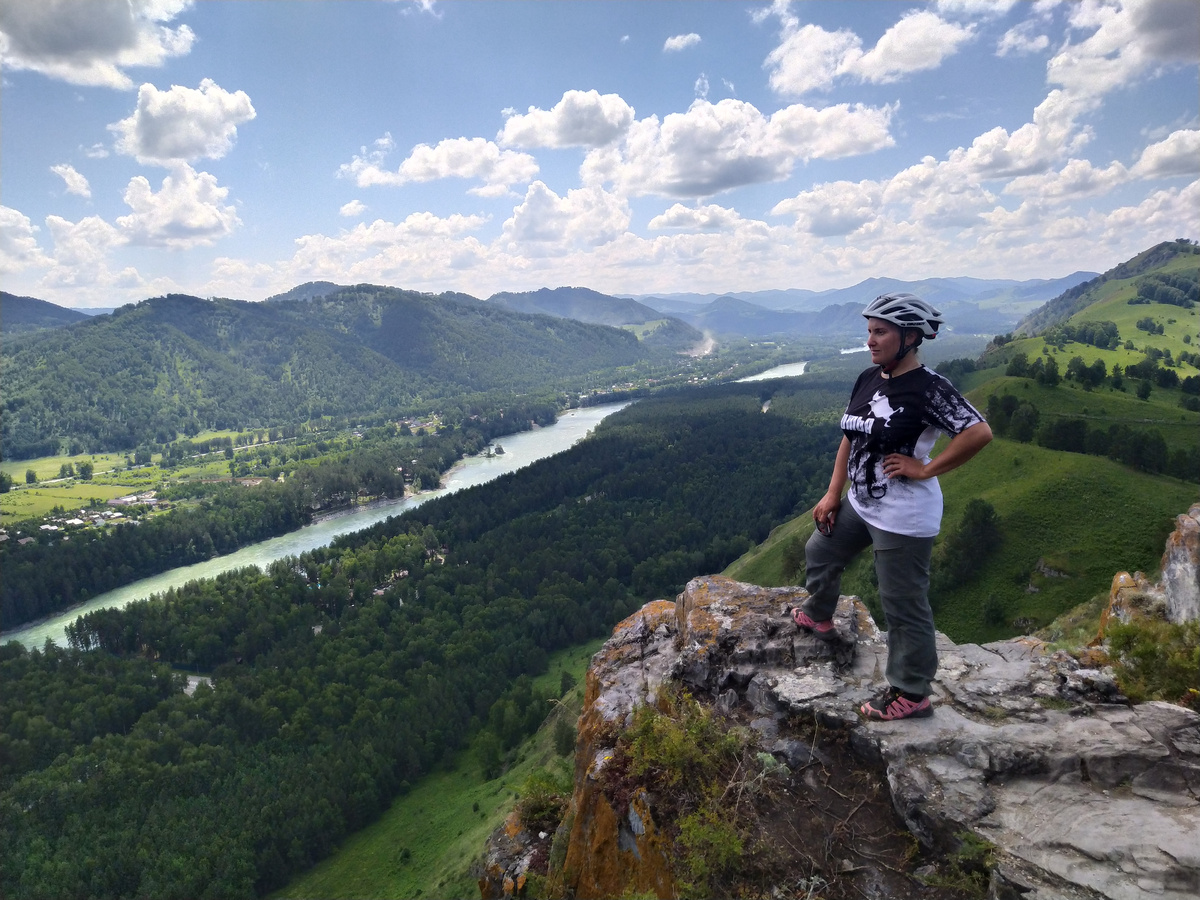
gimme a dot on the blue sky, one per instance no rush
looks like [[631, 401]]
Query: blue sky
[[238, 149]]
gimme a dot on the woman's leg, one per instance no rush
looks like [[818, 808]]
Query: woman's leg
[[903, 571], [826, 558]]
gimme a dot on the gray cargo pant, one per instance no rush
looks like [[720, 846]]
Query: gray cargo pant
[[902, 566]]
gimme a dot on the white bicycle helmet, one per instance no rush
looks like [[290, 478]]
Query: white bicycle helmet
[[906, 311]]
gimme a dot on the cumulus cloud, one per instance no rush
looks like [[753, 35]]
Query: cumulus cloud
[[76, 183], [353, 208], [186, 212], [717, 147], [1125, 41], [420, 250], [836, 208], [681, 42], [91, 43], [81, 251], [711, 218], [182, 124], [452, 158], [1178, 155], [1077, 179], [579, 119], [809, 58], [19, 248], [918, 42], [952, 191], [547, 224]]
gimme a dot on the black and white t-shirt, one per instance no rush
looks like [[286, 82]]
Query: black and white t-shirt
[[903, 414]]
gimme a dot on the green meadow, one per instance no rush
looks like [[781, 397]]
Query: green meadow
[[430, 839]]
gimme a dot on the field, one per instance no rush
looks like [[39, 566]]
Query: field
[[426, 843], [112, 477]]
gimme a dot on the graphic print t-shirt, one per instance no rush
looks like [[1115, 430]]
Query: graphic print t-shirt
[[904, 414]]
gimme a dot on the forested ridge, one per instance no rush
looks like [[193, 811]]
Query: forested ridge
[[329, 697], [182, 364]]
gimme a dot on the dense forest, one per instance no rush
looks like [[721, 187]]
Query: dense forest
[[182, 364], [343, 675], [51, 573]]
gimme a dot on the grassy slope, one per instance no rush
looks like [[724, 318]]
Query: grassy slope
[[1082, 515], [1102, 406], [1110, 303], [437, 822]]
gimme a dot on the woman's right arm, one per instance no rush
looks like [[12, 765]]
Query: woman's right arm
[[826, 510]]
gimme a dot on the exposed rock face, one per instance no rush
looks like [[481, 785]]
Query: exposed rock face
[[1083, 795], [1177, 596], [1181, 568]]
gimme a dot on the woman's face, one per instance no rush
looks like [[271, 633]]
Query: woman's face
[[883, 340]]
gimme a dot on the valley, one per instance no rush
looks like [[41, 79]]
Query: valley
[[433, 643]]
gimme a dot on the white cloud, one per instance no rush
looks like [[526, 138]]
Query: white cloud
[[1178, 155], [182, 124], [917, 43], [1126, 40], [353, 208], [451, 158], [579, 119], [420, 251], [76, 183], [96, 151], [1021, 41], [81, 251], [836, 208], [701, 87], [711, 218], [186, 212], [19, 248], [1078, 178], [717, 147], [937, 195], [545, 223], [91, 43], [681, 42], [1032, 148], [809, 58]]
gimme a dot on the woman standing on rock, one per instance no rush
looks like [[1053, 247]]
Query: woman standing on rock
[[896, 411]]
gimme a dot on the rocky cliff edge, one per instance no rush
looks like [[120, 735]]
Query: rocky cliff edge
[[1079, 794]]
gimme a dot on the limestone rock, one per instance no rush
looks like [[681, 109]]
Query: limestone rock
[[1082, 794], [1181, 568], [1176, 597]]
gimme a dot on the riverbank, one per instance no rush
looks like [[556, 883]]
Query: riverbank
[[520, 449]]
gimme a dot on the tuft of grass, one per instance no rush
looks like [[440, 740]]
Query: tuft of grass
[[969, 868], [1157, 660]]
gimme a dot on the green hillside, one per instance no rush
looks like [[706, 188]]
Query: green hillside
[[1083, 517], [23, 314], [182, 364]]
